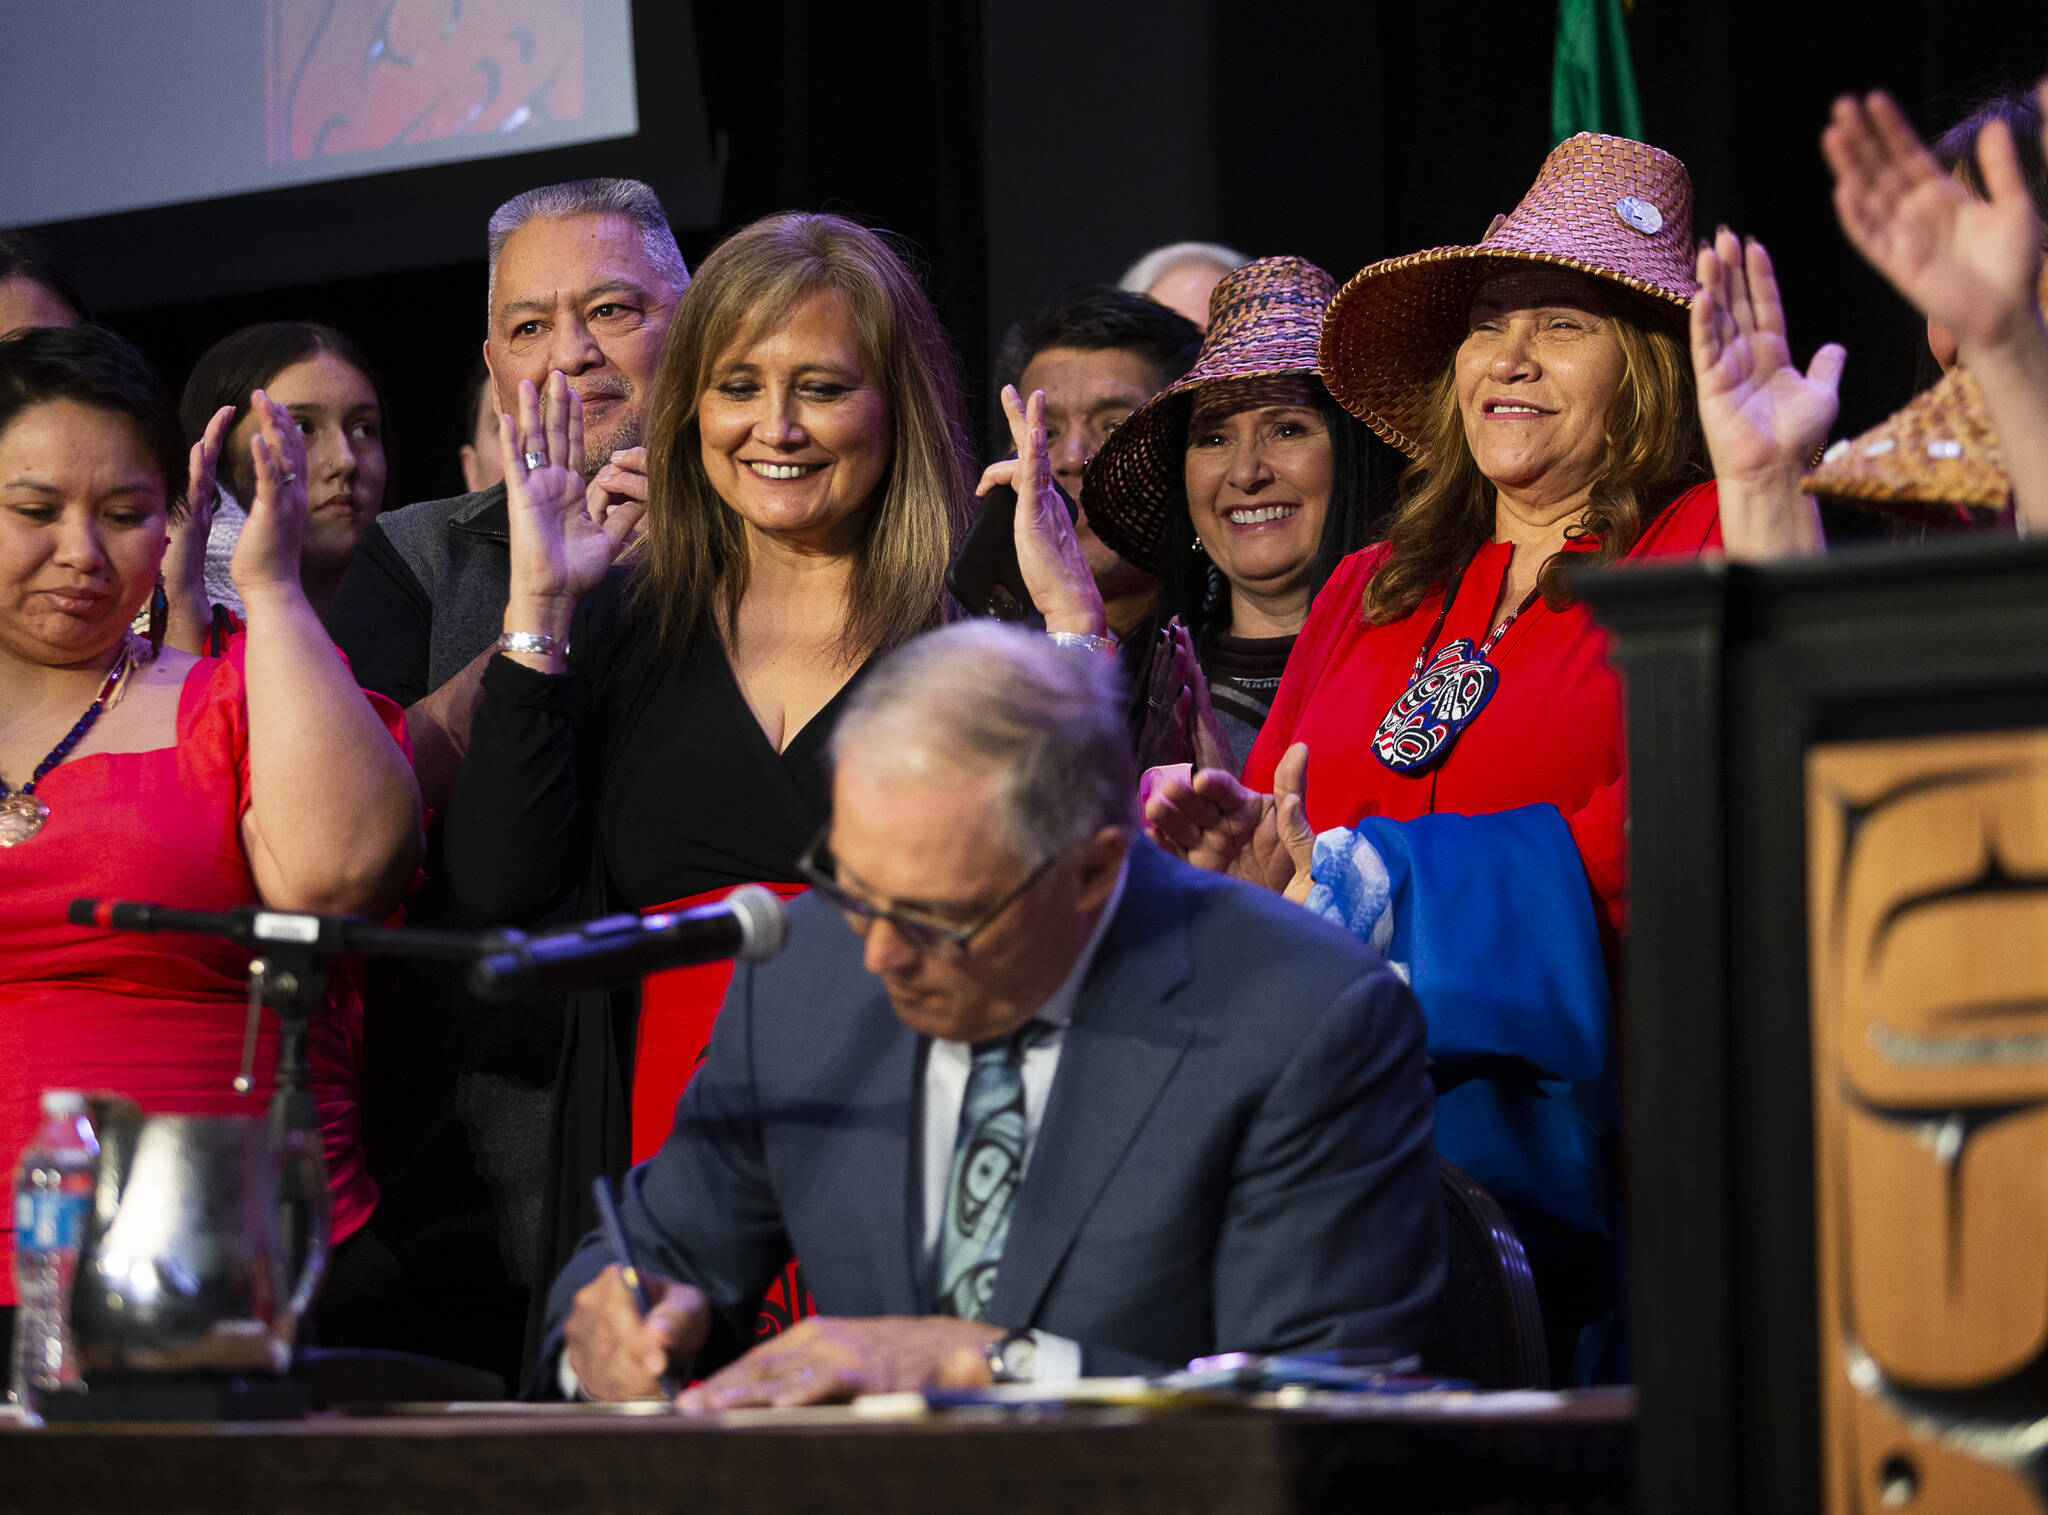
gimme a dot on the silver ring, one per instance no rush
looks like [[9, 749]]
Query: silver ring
[[534, 460], [290, 478]]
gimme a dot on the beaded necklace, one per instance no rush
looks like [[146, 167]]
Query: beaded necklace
[[22, 812]]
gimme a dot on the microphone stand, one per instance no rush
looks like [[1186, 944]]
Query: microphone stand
[[288, 972]]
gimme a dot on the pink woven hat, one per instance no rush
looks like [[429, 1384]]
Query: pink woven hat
[[1610, 207], [1265, 321]]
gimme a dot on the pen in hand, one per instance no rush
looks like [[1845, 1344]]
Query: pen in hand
[[622, 1254]]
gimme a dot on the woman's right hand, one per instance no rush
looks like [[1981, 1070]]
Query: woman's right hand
[[558, 552], [1215, 822], [1970, 265]]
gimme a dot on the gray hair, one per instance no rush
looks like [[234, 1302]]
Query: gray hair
[[985, 697], [590, 197], [1161, 261]]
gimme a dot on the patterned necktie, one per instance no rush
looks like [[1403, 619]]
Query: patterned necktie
[[988, 1165]]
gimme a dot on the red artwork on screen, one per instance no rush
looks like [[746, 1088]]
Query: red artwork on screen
[[345, 76]]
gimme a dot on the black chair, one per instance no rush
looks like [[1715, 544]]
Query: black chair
[[1488, 1326]]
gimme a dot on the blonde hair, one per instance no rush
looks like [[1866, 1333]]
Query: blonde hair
[[692, 566], [1655, 450]]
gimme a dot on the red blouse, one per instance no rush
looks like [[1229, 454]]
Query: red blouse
[[158, 1018], [1551, 734]]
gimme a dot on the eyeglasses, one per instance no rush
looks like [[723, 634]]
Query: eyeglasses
[[818, 869]]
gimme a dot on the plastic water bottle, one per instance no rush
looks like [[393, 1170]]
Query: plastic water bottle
[[53, 1190]]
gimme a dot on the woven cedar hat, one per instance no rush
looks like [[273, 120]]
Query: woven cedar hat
[[1607, 206], [1938, 453], [1265, 321]]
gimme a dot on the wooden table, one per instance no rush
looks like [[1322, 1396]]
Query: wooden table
[[1497, 1453]]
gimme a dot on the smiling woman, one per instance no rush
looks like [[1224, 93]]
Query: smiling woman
[[1241, 485], [655, 735], [1453, 704]]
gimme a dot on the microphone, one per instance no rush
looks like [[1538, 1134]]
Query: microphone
[[749, 924]]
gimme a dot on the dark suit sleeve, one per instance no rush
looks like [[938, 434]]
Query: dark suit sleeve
[[383, 620], [1333, 1235], [701, 1210]]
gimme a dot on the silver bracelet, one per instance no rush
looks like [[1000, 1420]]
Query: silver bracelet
[[529, 641], [1105, 645]]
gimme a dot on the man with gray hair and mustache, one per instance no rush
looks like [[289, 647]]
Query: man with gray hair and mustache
[[584, 278], [1029, 1098]]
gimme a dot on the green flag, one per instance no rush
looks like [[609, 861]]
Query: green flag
[[1592, 85]]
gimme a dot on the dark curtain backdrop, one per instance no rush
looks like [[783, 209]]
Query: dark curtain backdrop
[[1020, 148]]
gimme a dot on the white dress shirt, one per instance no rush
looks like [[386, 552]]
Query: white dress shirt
[[945, 1088]]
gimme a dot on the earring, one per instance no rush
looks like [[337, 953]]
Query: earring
[[1198, 542], [159, 614]]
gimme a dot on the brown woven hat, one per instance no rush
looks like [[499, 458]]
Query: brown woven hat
[[1936, 454], [1265, 320], [1617, 209]]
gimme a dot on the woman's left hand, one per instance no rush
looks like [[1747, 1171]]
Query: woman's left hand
[[267, 556], [1048, 553], [1763, 418]]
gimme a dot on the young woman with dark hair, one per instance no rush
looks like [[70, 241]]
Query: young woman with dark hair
[[323, 379]]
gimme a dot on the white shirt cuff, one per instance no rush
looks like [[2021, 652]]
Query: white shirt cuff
[[1059, 1359], [572, 1386]]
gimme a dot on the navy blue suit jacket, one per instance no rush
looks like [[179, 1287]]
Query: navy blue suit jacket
[[1236, 1153]]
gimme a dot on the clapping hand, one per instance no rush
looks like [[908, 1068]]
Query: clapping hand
[[558, 550], [185, 559], [1970, 265], [266, 558], [1763, 418], [1048, 553], [1215, 822]]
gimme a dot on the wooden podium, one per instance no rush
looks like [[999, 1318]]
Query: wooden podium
[[1836, 1028]]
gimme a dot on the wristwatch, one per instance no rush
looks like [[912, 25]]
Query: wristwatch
[[1013, 1358]]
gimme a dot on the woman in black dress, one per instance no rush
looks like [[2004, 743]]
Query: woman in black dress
[[808, 475]]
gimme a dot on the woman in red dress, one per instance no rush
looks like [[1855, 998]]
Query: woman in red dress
[[126, 771], [1454, 705]]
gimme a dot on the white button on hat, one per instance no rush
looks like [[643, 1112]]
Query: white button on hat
[[1640, 214], [1944, 449]]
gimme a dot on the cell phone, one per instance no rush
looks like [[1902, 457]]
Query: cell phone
[[984, 576]]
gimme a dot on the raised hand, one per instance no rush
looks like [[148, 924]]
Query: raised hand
[[266, 559], [558, 551], [185, 559], [1048, 553], [1761, 415], [1970, 265], [1207, 741]]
